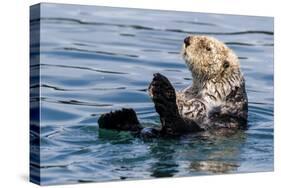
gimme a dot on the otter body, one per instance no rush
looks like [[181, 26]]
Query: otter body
[[215, 101]]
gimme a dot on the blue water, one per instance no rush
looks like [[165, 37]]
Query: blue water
[[98, 59]]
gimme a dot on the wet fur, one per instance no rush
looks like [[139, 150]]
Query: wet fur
[[216, 100]]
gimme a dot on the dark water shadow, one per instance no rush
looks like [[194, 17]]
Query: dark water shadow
[[165, 165]]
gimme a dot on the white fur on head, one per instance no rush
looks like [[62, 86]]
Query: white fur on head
[[208, 58], [214, 66]]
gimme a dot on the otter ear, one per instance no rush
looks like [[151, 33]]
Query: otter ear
[[225, 64]]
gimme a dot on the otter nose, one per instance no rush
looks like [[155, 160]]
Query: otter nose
[[187, 41]]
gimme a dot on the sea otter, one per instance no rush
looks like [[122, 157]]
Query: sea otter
[[216, 100]]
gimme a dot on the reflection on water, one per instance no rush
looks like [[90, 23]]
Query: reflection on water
[[93, 62], [213, 166]]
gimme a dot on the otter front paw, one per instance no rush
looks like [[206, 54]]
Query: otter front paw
[[163, 95], [161, 89]]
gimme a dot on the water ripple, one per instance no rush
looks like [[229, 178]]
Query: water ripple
[[82, 68], [75, 102], [246, 44], [98, 52], [140, 27], [80, 89]]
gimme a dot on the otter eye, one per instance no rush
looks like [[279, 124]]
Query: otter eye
[[225, 64], [208, 48]]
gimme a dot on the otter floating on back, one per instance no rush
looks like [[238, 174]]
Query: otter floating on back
[[216, 100]]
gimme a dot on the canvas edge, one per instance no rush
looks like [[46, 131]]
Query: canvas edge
[[34, 94]]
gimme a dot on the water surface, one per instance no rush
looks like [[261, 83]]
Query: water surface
[[98, 59]]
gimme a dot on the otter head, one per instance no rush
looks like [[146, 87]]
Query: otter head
[[208, 58]]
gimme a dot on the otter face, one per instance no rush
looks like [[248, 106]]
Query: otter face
[[207, 57]]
